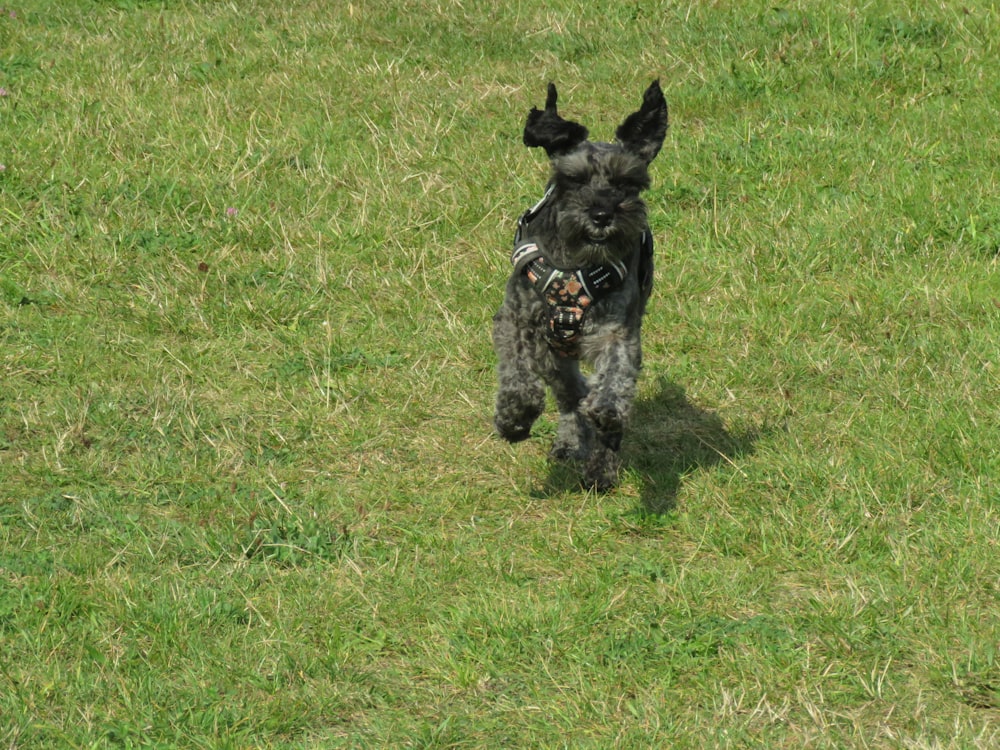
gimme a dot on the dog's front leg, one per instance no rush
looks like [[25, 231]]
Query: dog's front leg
[[613, 387], [521, 392]]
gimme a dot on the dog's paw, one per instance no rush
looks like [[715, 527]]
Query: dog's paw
[[601, 472], [609, 420], [513, 433], [514, 416], [574, 439], [566, 453], [515, 427]]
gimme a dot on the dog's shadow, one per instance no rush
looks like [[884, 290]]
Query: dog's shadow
[[669, 438]]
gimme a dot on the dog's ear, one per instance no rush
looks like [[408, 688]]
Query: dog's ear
[[547, 129], [643, 131]]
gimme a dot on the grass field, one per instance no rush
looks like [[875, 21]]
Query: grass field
[[249, 491]]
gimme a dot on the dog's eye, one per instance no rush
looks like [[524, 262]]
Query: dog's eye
[[626, 183]]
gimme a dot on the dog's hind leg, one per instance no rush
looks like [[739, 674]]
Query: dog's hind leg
[[521, 392], [575, 435]]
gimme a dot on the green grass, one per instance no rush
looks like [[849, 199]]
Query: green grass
[[249, 493]]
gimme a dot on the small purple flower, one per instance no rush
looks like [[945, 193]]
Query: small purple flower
[[231, 212], [3, 167], [3, 91]]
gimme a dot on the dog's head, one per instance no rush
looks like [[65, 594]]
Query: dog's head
[[597, 185]]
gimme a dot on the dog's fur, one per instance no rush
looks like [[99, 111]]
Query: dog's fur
[[594, 216]]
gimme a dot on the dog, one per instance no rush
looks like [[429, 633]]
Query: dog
[[582, 275]]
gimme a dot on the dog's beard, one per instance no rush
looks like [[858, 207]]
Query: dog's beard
[[590, 244]]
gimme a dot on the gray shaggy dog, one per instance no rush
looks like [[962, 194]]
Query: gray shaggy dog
[[582, 273]]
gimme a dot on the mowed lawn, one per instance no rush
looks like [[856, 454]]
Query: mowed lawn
[[250, 495]]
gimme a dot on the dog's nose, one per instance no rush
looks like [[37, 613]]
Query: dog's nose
[[600, 216]]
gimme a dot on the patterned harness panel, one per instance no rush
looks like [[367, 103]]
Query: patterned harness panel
[[568, 294]]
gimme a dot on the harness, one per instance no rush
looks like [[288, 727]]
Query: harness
[[568, 294]]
